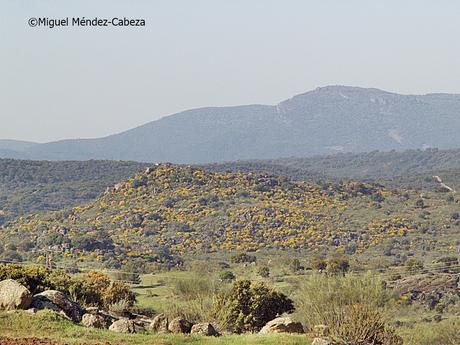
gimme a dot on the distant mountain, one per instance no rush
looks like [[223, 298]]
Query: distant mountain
[[14, 148], [323, 121]]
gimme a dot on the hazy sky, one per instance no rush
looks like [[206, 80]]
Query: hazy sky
[[81, 82]]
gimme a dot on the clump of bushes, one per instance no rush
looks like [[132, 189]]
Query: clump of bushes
[[334, 265], [242, 258], [247, 307], [98, 290], [92, 289]]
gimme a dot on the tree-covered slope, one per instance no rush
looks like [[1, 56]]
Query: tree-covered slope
[[35, 186], [187, 211], [413, 169]]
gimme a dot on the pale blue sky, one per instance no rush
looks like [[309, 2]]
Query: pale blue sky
[[89, 82]]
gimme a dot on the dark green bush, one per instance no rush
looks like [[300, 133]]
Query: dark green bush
[[249, 306]]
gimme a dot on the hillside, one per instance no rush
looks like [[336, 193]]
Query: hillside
[[323, 121], [33, 186], [410, 169], [187, 211], [36, 186]]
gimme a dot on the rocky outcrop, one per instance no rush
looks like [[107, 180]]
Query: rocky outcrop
[[282, 325], [14, 295], [159, 324], [59, 302], [180, 325], [428, 289], [123, 326], [205, 329]]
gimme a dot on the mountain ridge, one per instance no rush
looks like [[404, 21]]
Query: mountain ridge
[[322, 121]]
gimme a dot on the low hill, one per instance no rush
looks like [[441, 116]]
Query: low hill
[[322, 121], [188, 211], [33, 186]]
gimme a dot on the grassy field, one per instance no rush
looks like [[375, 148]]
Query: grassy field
[[49, 325]]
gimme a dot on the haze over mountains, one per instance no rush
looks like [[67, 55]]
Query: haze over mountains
[[326, 120]]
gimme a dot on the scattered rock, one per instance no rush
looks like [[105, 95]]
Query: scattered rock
[[123, 326], [282, 325], [205, 329], [159, 324], [59, 302], [14, 295], [94, 321], [180, 325], [321, 341]]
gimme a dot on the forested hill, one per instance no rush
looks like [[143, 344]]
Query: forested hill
[[34, 186], [412, 169]]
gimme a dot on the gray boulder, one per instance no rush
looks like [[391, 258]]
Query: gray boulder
[[123, 326], [205, 329], [94, 321], [282, 325], [14, 295], [59, 302], [180, 325]]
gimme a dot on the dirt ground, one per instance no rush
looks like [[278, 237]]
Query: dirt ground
[[33, 341]]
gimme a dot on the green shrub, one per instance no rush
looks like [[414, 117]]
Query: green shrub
[[249, 306], [242, 258], [227, 276], [263, 271], [96, 289], [349, 305], [361, 324], [337, 266], [35, 278]]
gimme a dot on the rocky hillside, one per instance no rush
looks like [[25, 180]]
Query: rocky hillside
[[185, 211], [323, 121]]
